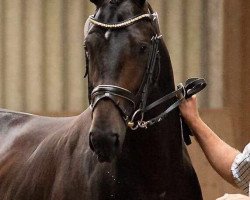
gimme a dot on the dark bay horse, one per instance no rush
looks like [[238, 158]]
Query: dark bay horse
[[97, 155]]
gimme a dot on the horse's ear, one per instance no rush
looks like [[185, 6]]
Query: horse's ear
[[98, 3], [140, 2]]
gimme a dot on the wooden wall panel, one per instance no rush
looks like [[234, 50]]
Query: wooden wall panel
[[233, 64], [237, 66], [1, 54], [74, 62], [174, 36], [246, 73], [34, 55], [214, 62], [192, 38], [54, 67], [13, 55]]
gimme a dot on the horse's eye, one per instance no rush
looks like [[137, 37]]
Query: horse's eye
[[143, 48], [113, 1]]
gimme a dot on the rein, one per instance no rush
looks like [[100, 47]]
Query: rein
[[139, 101], [191, 87]]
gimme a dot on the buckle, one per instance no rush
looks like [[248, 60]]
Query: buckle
[[155, 16], [182, 94], [135, 125]]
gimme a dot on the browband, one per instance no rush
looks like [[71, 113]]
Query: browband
[[124, 23]]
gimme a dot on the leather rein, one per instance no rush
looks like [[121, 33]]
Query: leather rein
[[135, 119]]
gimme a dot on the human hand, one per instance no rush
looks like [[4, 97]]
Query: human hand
[[234, 197], [189, 110]]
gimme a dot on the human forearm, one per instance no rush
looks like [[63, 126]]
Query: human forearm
[[234, 197], [219, 154]]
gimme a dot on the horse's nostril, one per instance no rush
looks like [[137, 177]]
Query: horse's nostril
[[103, 141], [104, 144]]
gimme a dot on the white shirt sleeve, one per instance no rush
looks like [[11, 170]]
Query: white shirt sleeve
[[241, 169]]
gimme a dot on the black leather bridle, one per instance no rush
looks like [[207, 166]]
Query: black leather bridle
[[137, 104]]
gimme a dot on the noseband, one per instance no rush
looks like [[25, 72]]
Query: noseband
[[134, 118]]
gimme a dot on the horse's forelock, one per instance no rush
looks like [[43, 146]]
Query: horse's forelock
[[126, 8]]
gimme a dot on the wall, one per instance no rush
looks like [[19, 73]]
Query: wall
[[42, 63], [246, 72], [237, 67]]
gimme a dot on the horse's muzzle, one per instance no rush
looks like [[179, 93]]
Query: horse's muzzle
[[105, 145]]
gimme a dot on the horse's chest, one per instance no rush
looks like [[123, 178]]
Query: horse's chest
[[112, 187]]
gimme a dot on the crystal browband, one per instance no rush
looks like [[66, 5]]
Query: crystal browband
[[121, 24]]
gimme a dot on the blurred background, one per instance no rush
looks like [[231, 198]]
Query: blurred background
[[42, 63]]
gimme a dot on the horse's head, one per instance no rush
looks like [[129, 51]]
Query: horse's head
[[118, 43]]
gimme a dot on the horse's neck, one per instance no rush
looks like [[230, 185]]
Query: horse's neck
[[164, 138], [151, 157], [170, 127]]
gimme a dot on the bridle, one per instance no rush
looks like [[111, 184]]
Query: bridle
[[135, 119]]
